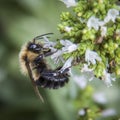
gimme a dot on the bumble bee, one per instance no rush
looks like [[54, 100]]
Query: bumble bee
[[32, 62]]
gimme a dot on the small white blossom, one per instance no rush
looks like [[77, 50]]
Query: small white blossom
[[88, 72], [100, 98], [91, 57], [80, 80], [109, 112], [103, 31], [111, 15], [86, 69], [68, 29], [68, 46], [67, 64], [89, 75], [93, 22], [81, 112], [107, 78], [69, 3], [49, 44], [57, 56]]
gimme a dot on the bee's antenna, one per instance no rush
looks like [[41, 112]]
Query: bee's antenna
[[41, 36]]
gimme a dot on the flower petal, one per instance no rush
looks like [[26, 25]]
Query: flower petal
[[67, 64], [111, 15], [93, 22], [107, 78], [57, 56], [91, 57], [68, 46], [103, 31], [69, 3]]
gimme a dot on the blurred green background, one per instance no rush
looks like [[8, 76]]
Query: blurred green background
[[20, 21]]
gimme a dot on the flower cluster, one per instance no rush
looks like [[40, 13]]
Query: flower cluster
[[91, 34], [91, 38]]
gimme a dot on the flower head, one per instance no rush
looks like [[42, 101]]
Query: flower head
[[93, 22], [111, 15], [67, 64], [49, 44], [100, 97], [91, 57], [86, 69], [80, 80], [69, 3], [109, 112], [57, 56], [68, 46], [107, 78], [82, 112]]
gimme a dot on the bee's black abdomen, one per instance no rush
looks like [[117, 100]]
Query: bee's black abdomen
[[52, 80]]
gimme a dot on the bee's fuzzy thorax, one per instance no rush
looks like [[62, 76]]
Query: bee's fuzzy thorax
[[25, 53]]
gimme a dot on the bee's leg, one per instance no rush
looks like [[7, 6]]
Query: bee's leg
[[40, 57], [32, 80], [49, 53]]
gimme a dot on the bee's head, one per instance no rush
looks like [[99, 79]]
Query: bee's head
[[36, 48]]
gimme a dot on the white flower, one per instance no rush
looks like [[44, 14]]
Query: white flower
[[93, 22], [91, 57], [81, 112], [108, 112], [111, 15], [89, 75], [100, 98], [68, 46], [86, 69], [68, 29], [80, 80], [49, 44], [103, 31], [69, 3], [67, 64], [87, 72], [107, 78], [57, 56]]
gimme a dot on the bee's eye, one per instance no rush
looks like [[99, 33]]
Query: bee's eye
[[34, 47]]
